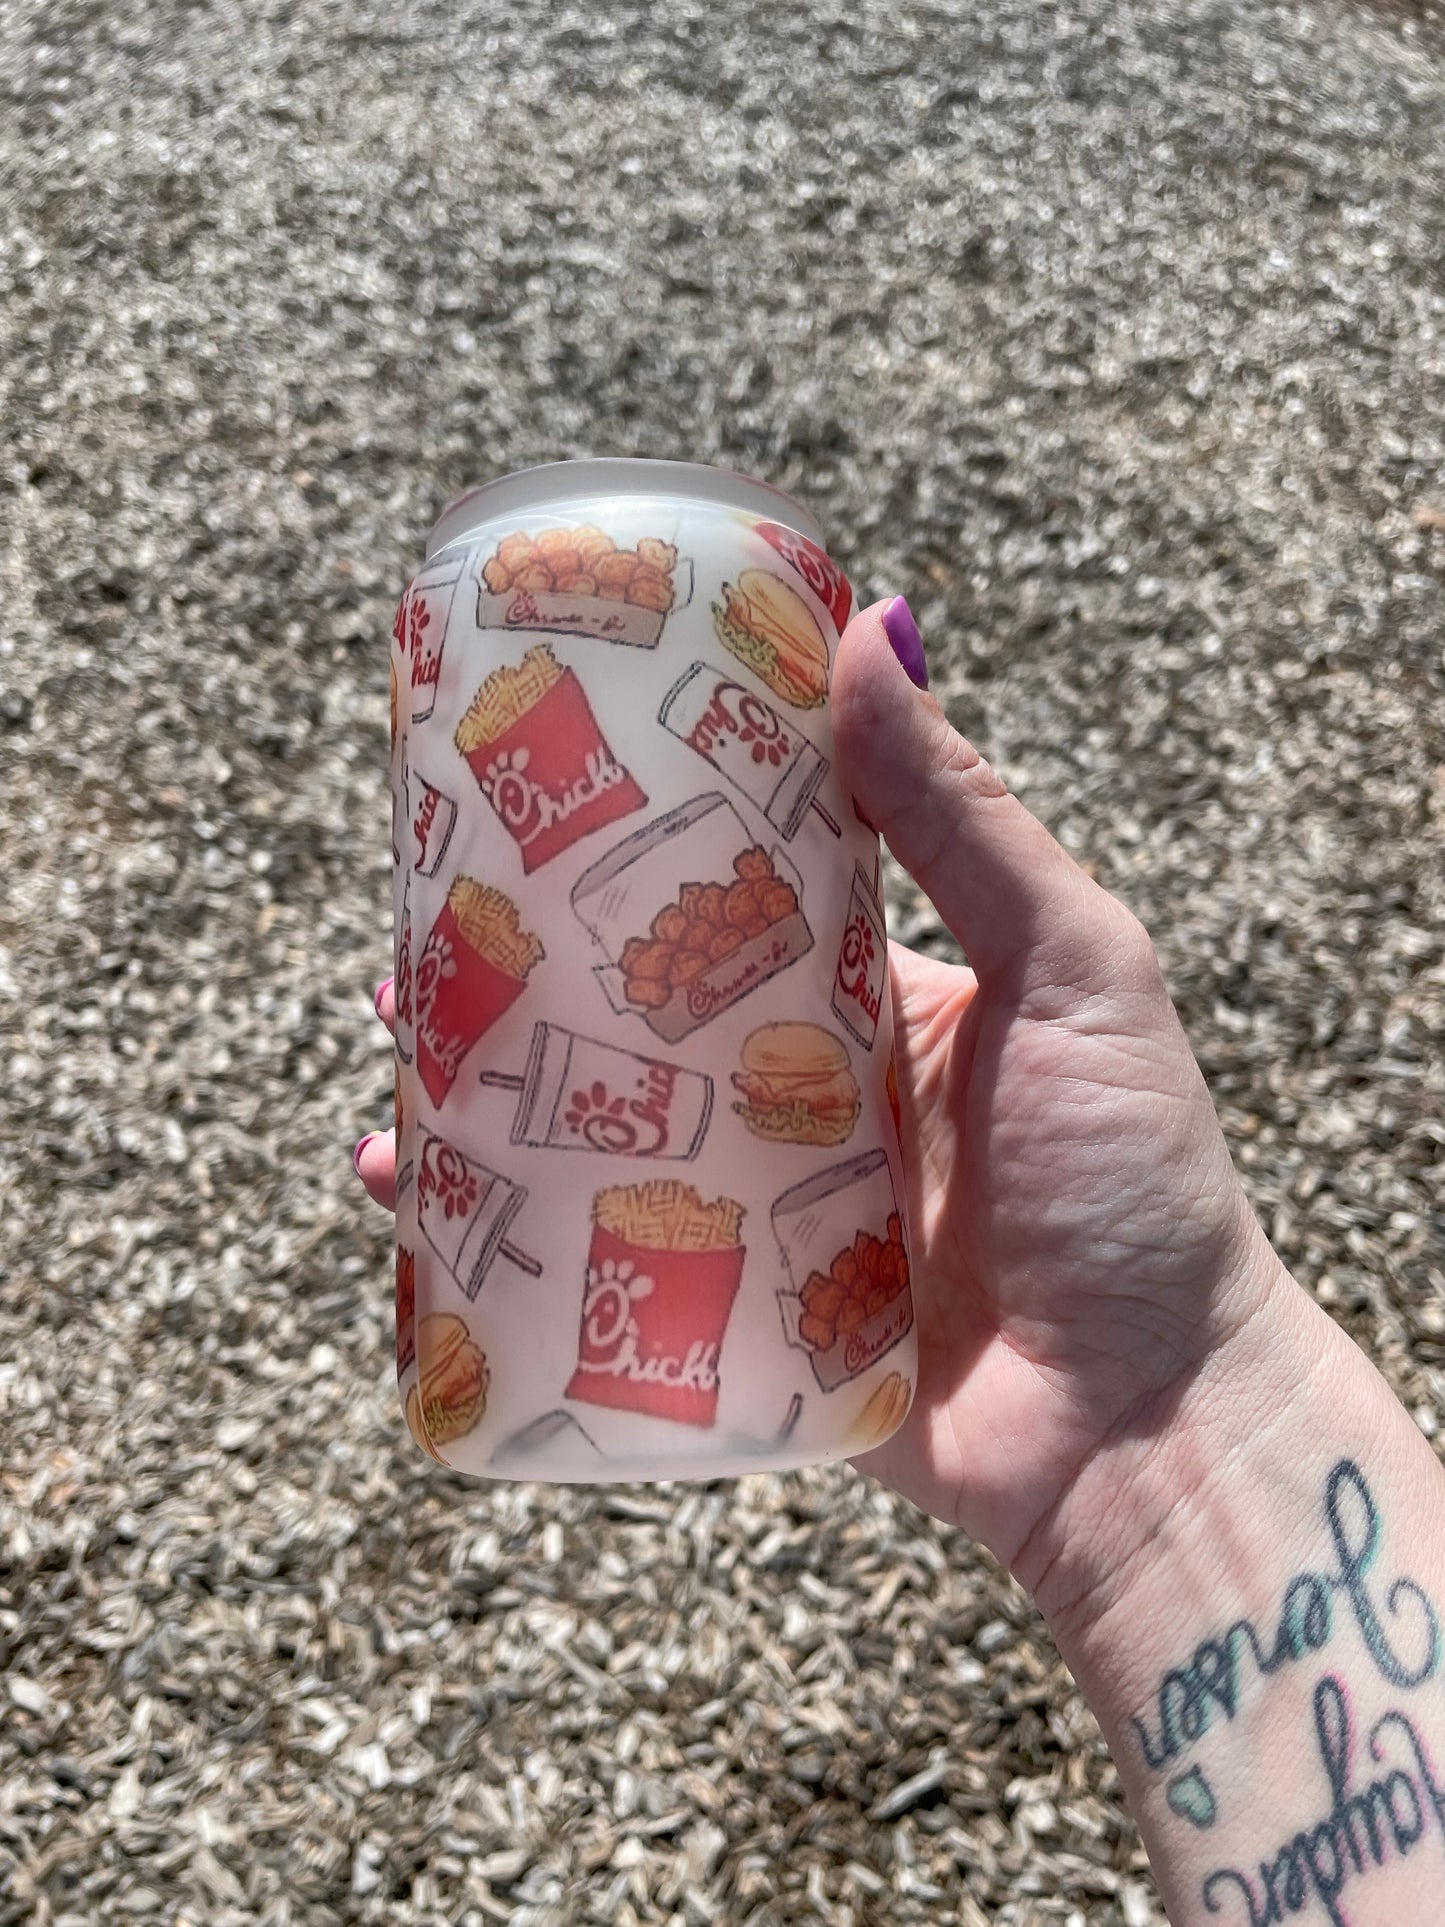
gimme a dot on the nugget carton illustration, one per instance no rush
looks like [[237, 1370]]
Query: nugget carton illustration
[[578, 582], [692, 915]]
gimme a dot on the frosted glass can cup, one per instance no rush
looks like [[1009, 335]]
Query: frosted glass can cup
[[651, 1217]]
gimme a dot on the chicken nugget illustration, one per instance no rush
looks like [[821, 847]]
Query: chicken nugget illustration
[[661, 556], [590, 543], [613, 572]]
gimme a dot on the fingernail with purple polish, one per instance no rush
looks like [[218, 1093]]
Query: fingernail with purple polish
[[361, 1145], [902, 633], [380, 992]]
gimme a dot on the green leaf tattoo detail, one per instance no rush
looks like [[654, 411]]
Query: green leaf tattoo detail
[[1192, 1798]]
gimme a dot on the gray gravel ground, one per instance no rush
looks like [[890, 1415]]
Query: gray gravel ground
[[1115, 336]]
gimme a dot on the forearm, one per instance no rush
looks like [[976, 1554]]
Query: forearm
[[1250, 1588]]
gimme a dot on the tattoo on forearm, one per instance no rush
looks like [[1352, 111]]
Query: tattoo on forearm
[[1396, 1621], [1362, 1828]]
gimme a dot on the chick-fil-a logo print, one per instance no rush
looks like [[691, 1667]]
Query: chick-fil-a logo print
[[735, 711], [635, 1126], [528, 810], [818, 569], [611, 1335], [437, 966]]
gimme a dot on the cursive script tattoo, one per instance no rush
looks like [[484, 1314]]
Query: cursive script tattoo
[[1363, 1827], [1192, 1696]]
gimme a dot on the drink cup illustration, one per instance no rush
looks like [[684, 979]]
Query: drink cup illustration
[[432, 818], [577, 1094], [860, 983], [748, 742], [423, 620], [465, 1211]]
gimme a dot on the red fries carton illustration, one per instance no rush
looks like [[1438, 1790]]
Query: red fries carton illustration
[[748, 742], [692, 915], [405, 1309], [818, 570], [465, 1210], [577, 582], [577, 1094], [843, 1241], [421, 626], [405, 986], [663, 1269], [474, 966], [860, 982], [533, 745]]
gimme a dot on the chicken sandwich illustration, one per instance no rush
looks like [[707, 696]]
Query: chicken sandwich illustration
[[451, 1390], [797, 1085], [768, 626]]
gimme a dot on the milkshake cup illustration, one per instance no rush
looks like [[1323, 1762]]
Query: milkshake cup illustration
[[577, 1094]]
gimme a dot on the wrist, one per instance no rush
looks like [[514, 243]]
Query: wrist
[[1251, 1595], [1193, 1494]]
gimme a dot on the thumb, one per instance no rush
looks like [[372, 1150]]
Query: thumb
[[999, 881]]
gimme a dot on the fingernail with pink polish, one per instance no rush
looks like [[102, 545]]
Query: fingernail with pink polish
[[380, 992], [361, 1145], [902, 633]]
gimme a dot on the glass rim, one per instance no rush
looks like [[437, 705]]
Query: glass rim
[[556, 484]]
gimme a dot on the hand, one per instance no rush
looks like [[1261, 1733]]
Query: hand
[[1084, 1251]]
